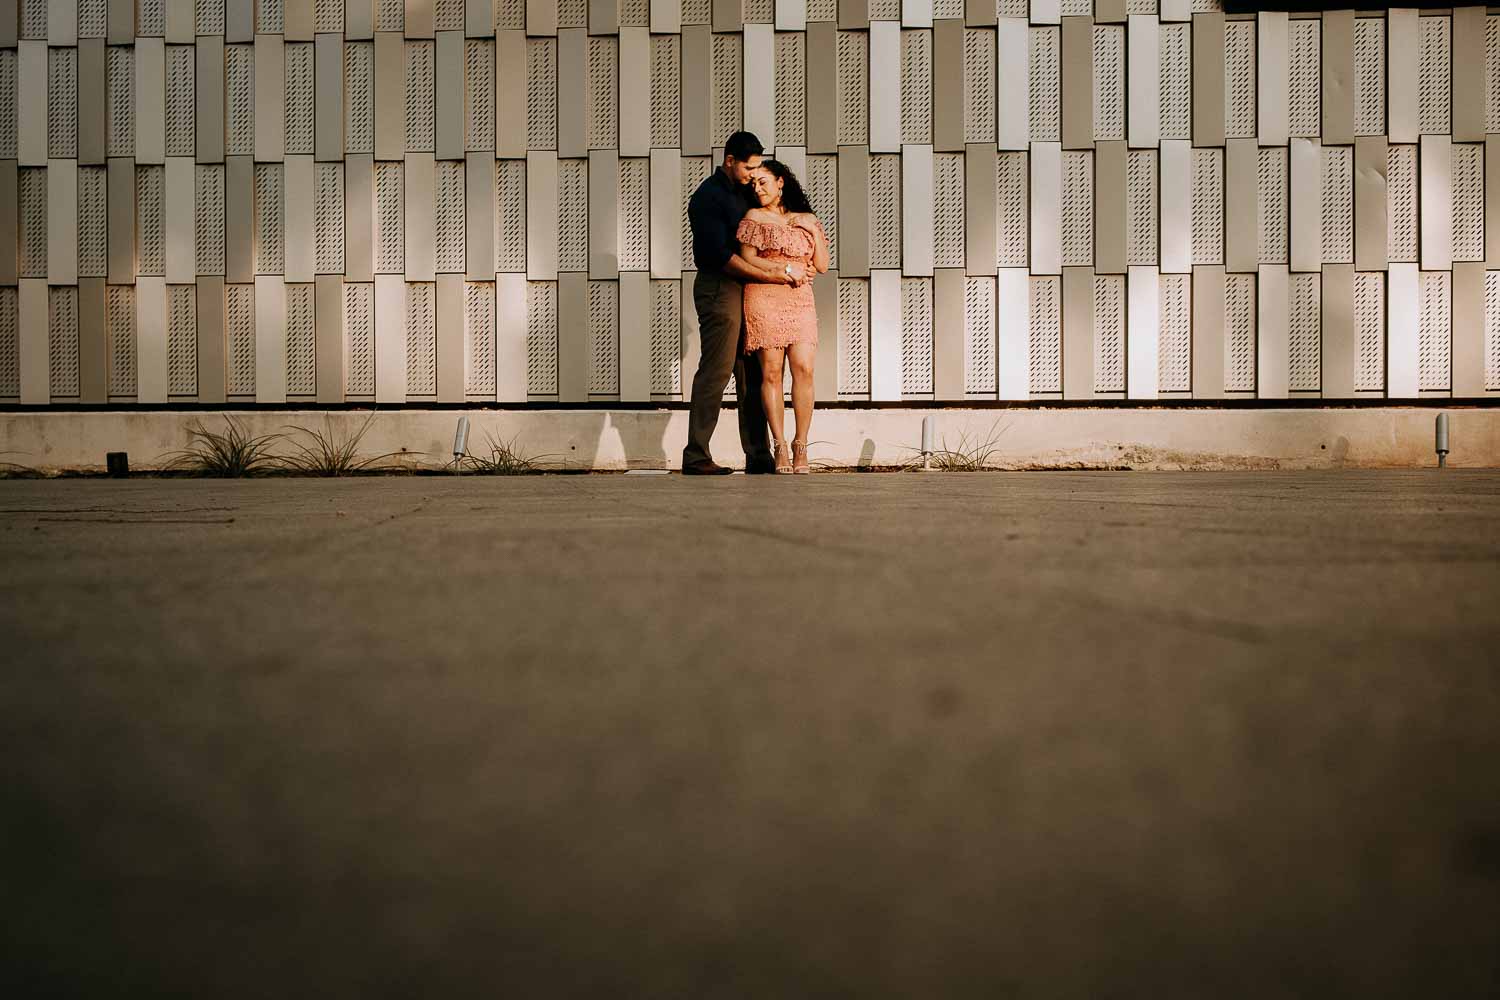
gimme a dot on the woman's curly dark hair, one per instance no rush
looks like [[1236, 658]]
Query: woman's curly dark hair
[[793, 198]]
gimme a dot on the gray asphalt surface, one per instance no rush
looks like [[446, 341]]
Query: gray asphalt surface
[[991, 735]]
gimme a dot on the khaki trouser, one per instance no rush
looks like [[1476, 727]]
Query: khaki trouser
[[720, 303]]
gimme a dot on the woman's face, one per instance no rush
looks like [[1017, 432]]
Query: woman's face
[[767, 186]]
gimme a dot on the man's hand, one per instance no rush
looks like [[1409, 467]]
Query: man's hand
[[796, 275]]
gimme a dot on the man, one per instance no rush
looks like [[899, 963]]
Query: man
[[714, 212]]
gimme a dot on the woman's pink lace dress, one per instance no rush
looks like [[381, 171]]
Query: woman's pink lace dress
[[779, 315]]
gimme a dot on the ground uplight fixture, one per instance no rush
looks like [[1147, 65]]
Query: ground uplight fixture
[[926, 444], [1441, 444], [461, 438]]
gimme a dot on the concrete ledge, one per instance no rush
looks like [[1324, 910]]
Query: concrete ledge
[[1174, 439]]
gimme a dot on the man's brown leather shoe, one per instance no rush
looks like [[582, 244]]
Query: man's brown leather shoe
[[706, 469]]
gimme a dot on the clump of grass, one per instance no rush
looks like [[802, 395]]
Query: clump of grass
[[329, 453], [229, 455], [504, 459], [970, 455], [11, 470]]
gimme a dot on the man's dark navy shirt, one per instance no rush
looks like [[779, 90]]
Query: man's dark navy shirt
[[714, 212]]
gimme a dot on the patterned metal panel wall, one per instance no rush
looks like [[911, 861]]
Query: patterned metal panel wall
[[1144, 148]]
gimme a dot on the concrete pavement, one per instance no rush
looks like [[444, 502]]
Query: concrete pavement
[[1040, 735]]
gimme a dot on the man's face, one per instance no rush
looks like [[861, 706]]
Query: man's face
[[740, 170]]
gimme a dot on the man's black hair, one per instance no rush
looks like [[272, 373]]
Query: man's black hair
[[743, 145]]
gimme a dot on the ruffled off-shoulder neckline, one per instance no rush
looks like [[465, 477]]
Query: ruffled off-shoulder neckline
[[774, 236]]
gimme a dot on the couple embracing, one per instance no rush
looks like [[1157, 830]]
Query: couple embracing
[[757, 245]]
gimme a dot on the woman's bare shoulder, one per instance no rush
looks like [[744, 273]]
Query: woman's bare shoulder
[[761, 215]]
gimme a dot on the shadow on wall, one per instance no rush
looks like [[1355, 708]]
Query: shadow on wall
[[636, 439]]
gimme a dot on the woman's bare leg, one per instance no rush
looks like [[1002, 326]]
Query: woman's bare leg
[[801, 357], [772, 360]]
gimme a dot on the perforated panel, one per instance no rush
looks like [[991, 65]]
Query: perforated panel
[[694, 170], [636, 13], [301, 342], [940, 8], [1239, 333], [1468, 201], [421, 120], [635, 218], [1304, 88], [359, 97], [666, 338], [93, 18], [1401, 203], [1078, 208], [151, 18], [885, 210], [62, 341], [239, 94], [449, 228], [1045, 342], [822, 191], [1338, 205], [328, 218], [1435, 331], [1491, 325], [948, 210], [270, 16], [1109, 81], [916, 85], [208, 219], [359, 339], [1434, 74], [572, 13], [390, 216], [33, 18], [916, 335], [239, 323], [979, 335], [541, 338], [1305, 333], [726, 87], [854, 336], [182, 340], [150, 180], [697, 11], [604, 117], [62, 102], [7, 104], [1140, 197], [979, 85], [1109, 333], [10, 343], [1013, 225], [541, 94], [572, 215], [1369, 331], [510, 215], [1045, 118], [299, 99], [1175, 84], [853, 125], [421, 339], [328, 15], [119, 326], [880, 10], [32, 182], [1174, 357], [1208, 206], [1369, 76], [1239, 79], [390, 15], [604, 338], [120, 81], [479, 338], [93, 240], [1492, 74], [666, 113], [270, 240], [1271, 196]]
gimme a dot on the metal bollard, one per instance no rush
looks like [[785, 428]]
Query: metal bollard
[[1442, 440], [460, 443], [926, 444]]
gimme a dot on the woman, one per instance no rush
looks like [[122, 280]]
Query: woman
[[781, 320]]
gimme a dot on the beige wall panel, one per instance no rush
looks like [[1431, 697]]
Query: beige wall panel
[[1208, 79], [390, 339], [1306, 204], [208, 89], [666, 215], [1142, 331], [270, 339], [182, 18], [947, 86], [916, 209], [449, 95], [727, 15], [1338, 78], [1077, 83], [211, 372], [948, 287], [1111, 211], [359, 219], [1175, 166], [885, 335], [572, 337], [1241, 214], [635, 91], [604, 214], [419, 177], [758, 92], [1403, 321], [62, 222], [239, 220], [635, 337], [10, 21], [791, 15], [297, 18], [239, 19], [328, 97], [62, 22], [1012, 333], [179, 220], [10, 221], [541, 17], [1468, 82], [854, 211], [1339, 349], [666, 16], [1468, 330], [92, 101], [150, 100], [541, 216], [121, 212], [1078, 332], [1143, 80], [510, 338], [31, 104], [572, 92], [93, 343], [1401, 56], [479, 216], [822, 88], [856, 14], [359, 19], [977, 13], [510, 94], [1271, 79], [32, 345], [390, 95], [1436, 202], [885, 86], [328, 326], [1371, 161], [151, 340], [981, 250], [1046, 208], [1208, 331], [1272, 332], [1012, 83], [1492, 201], [826, 372], [297, 185]]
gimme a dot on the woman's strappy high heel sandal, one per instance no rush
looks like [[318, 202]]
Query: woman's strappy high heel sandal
[[783, 463], [799, 458]]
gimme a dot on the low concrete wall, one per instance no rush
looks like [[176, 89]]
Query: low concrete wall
[[1389, 437]]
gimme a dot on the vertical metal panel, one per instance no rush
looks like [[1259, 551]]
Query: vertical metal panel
[[270, 97], [301, 341], [328, 218], [1174, 357], [298, 185], [948, 312], [791, 15], [1338, 347], [297, 20], [1402, 52], [359, 97], [328, 87], [62, 103], [120, 206], [1175, 168], [62, 222], [179, 220], [98, 94], [1176, 84], [1492, 200], [1109, 82], [1468, 74], [1208, 331], [270, 339], [1403, 320], [1271, 77], [1239, 79], [1304, 86], [270, 219], [635, 92], [1111, 207], [97, 364], [1045, 85], [541, 338], [541, 94], [239, 219], [1012, 83], [979, 85], [1369, 76], [666, 339], [479, 216], [212, 381], [1078, 332], [208, 88], [119, 316], [511, 94], [602, 225], [1110, 305], [299, 99], [390, 338], [450, 95], [666, 225], [1436, 211], [885, 85], [916, 337], [1401, 203], [1078, 208], [885, 335], [448, 234], [1046, 208], [1434, 75], [152, 369], [32, 342], [635, 337], [1468, 201], [541, 17], [1435, 332], [93, 224], [420, 195], [1469, 325], [1012, 333], [695, 94], [359, 19], [31, 103], [390, 95], [510, 337], [821, 90], [359, 340], [980, 169], [1304, 332], [32, 248], [1339, 83], [1239, 332], [602, 121], [359, 217], [541, 216], [1141, 236], [853, 211], [1273, 289], [1306, 238], [573, 339], [948, 210], [1208, 80], [885, 211], [390, 217], [666, 91], [948, 81], [1144, 73], [479, 341], [917, 190], [1241, 205], [1337, 206], [1271, 198], [1143, 331], [328, 325], [572, 93]]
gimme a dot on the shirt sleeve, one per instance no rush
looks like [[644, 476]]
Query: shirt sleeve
[[712, 240]]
